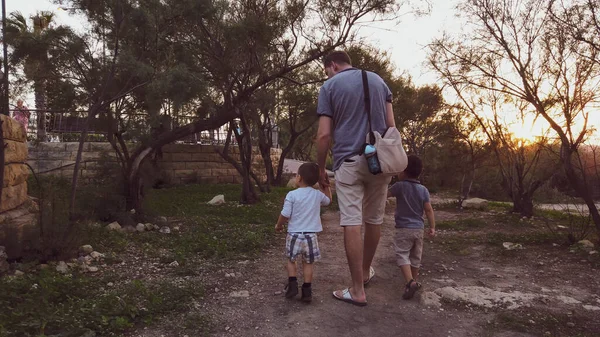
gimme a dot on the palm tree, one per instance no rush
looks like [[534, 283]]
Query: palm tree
[[30, 44]]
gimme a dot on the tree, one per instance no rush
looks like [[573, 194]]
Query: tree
[[31, 43], [517, 49]]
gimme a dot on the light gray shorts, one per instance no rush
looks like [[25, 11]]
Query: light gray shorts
[[408, 245]]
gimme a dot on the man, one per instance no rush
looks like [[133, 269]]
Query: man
[[361, 195]]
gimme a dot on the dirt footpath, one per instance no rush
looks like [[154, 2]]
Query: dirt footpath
[[472, 287], [267, 313]]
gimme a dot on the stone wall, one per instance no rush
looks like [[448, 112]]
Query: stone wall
[[18, 213], [180, 163], [14, 182]]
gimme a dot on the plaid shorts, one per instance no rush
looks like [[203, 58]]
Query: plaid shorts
[[302, 244]]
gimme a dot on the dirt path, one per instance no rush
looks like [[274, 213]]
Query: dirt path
[[267, 313]]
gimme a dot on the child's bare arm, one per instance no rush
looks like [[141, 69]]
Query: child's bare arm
[[280, 222], [327, 192], [430, 218]]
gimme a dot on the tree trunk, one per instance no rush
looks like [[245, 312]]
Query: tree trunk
[[523, 204], [580, 188], [40, 107], [1, 160]]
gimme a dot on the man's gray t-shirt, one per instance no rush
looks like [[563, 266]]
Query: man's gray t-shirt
[[411, 197], [342, 99]]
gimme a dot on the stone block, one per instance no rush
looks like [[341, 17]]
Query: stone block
[[181, 148], [195, 165], [13, 197], [15, 174], [175, 166], [201, 157], [15, 152], [74, 147], [88, 156], [208, 180], [232, 172], [219, 172], [12, 130], [100, 147], [226, 180], [181, 156], [51, 147], [184, 173]]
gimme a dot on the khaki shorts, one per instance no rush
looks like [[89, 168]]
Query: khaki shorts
[[408, 245], [361, 195]]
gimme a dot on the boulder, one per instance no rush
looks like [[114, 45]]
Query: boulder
[[96, 255], [165, 230], [217, 200], [114, 227], [129, 229], [86, 249], [62, 267], [586, 245], [140, 227], [475, 203], [149, 227]]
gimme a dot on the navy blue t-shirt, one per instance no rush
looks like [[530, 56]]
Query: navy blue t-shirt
[[411, 197]]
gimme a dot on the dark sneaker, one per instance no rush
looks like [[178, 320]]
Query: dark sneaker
[[291, 290], [306, 294], [410, 289]]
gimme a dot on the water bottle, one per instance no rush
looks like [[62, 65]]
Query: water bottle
[[372, 160]]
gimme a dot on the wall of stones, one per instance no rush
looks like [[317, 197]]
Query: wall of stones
[[180, 163], [14, 182]]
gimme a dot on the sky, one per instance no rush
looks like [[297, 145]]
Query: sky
[[404, 39]]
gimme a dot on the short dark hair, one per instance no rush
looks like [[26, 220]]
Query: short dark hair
[[414, 167], [337, 56], [309, 173]]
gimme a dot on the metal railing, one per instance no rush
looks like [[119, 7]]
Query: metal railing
[[67, 126]]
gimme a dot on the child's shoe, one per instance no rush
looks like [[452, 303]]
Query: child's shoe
[[410, 289], [306, 294], [291, 290]]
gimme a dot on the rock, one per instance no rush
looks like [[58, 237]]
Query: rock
[[292, 183], [86, 249], [512, 246], [176, 229], [140, 227], [19, 273], [93, 269], [278, 293], [97, 255], [430, 299], [149, 227], [174, 264], [129, 229], [110, 284], [217, 200], [43, 266], [156, 227], [162, 219], [241, 293], [114, 227], [486, 297], [571, 325], [475, 203], [593, 252], [62, 267], [132, 211], [586, 245], [561, 227], [165, 230], [591, 308]]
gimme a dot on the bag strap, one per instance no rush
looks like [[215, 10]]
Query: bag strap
[[367, 97]]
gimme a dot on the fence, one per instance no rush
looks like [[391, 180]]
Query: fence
[[67, 126]]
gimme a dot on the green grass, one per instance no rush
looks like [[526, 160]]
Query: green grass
[[78, 303], [49, 303], [462, 224]]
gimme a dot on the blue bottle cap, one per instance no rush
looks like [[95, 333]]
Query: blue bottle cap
[[369, 149]]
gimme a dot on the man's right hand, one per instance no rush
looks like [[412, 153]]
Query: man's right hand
[[323, 179]]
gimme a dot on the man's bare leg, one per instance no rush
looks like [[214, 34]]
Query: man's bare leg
[[372, 236], [354, 253]]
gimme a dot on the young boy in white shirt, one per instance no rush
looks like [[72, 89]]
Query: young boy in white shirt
[[302, 211]]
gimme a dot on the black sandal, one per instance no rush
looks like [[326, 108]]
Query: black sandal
[[410, 289]]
